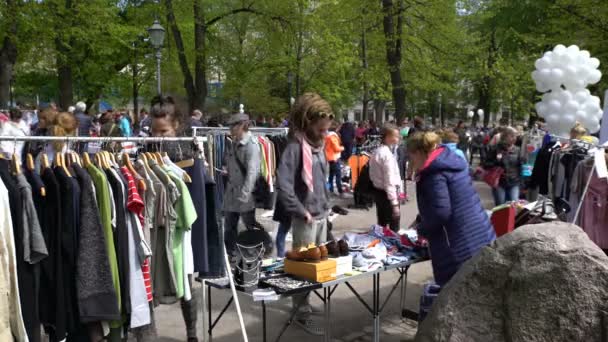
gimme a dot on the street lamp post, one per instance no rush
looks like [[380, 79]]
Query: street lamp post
[[157, 37], [289, 83]]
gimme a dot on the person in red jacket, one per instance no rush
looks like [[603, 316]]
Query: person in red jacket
[[333, 150]]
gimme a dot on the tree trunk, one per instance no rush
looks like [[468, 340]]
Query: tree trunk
[[379, 106], [433, 108], [63, 44], [487, 84], [365, 65], [135, 91], [64, 75], [393, 53], [200, 59], [8, 57], [181, 52]]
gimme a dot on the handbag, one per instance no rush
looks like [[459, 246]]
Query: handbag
[[492, 176]]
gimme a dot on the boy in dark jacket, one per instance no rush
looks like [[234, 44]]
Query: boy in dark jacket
[[301, 188]]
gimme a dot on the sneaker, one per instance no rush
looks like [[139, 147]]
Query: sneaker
[[311, 326]]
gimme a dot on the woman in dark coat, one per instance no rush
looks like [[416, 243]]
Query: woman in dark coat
[[451, 215]]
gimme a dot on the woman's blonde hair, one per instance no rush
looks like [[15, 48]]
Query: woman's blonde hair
[[449, 136], [424, 142], [64, 125], [578, 130]]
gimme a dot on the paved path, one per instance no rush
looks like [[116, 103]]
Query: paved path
[[350, 320]]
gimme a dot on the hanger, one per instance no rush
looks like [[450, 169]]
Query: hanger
[[29, 161], [44, 161], [15, 165], [159, 158], [126, 161], [60, 162], [86, 161], [76, 158]]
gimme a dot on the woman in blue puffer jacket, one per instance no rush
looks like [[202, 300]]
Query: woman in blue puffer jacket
[[451, 215]]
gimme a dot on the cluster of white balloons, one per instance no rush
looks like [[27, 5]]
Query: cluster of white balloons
[[563, 75], [562, 109]]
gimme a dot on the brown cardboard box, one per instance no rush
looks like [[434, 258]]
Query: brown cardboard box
[[319, 272]]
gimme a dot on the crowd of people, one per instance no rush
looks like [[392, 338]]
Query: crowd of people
[[439, 161]]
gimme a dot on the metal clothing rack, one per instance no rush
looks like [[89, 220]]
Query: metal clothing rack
[[142, 140], [199, 131], [95, 139]]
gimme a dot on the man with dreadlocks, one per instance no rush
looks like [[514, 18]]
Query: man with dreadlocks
[[301, 188]]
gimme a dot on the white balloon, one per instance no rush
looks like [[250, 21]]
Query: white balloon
[[571, 107], [557, 75], [544, 75], [536, 76], [568, 120], [552, 118], [594, 63], [570, 58], [581, 115], [480, 112], [571, 72], [594, 99], [594, 76], [554, 106], [542, 87], [582, 72], [573, 49], [590, 108], [565, 96], [580, 96], [470, 114], [592, 121], [594, 129], [585, 54], [541, 109], [559, 49], [543, 63]]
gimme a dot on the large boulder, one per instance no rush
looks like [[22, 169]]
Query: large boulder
[[545, 282]]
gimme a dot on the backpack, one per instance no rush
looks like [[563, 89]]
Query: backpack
[[364, 189], [364, 182], [261, 189]]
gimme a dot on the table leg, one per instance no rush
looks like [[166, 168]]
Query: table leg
[[403, 275], [203, 301], [327, 304], [376, 307], [264, 319], [210, 332]]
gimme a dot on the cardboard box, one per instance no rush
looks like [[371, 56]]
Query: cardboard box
[[318, 272], [343, 265]]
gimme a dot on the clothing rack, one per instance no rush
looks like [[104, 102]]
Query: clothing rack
[[140, 140], [199, 131], [95, 139]]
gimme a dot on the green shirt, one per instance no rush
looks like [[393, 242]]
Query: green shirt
[[186, 215], [102, 193]]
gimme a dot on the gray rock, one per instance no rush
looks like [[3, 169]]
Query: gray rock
[[545, 282]]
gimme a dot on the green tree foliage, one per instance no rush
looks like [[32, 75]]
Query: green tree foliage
[[454, 55]]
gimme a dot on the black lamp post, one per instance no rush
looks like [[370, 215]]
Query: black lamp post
[[157, 37]]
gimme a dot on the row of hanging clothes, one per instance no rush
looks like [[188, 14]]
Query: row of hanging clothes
[[90, 245], [271, 142], [565, 171]]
